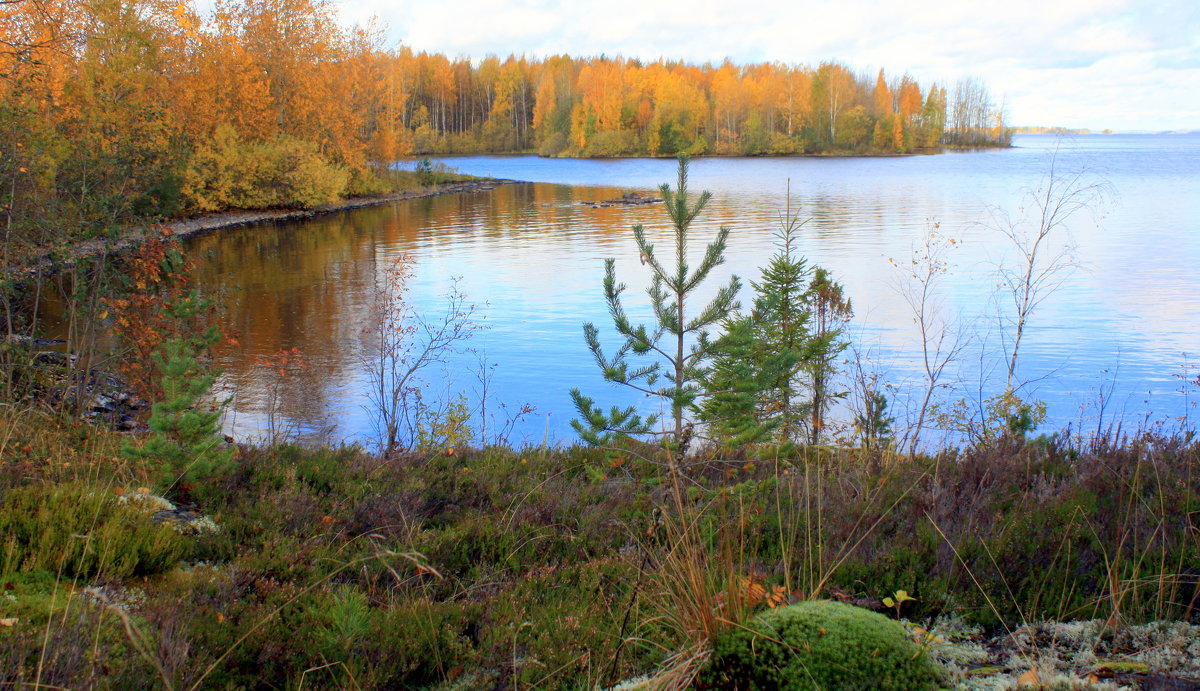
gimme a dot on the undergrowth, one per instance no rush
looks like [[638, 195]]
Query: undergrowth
[[561, 568]]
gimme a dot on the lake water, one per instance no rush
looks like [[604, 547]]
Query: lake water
[[531, 257]]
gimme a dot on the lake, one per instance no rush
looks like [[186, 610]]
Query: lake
[[1123, 327]]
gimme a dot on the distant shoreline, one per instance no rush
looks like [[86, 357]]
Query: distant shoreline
[[826, 154], [1028, 131]]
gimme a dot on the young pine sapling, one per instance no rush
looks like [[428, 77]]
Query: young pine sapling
[[672, 354]]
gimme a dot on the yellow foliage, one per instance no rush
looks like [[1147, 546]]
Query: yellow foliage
[[284, 171]]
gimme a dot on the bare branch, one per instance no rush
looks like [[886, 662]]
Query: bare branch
[[1045, 252]]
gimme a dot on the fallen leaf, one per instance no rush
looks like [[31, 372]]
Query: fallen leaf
[[8, 622]]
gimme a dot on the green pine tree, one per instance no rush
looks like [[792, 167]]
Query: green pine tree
[[674, 353], [771, 369]]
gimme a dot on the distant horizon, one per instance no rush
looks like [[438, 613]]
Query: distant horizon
[[1097, 130]]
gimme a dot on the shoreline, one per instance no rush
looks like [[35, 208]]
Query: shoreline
[[184, 228], [201, 225], [922, 151]]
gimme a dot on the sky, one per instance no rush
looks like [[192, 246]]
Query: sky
[[1126, 65]]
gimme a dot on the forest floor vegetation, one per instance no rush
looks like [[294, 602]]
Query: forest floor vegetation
[[1040, 563]]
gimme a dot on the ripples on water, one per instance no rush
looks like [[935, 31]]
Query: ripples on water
[[532, 256]]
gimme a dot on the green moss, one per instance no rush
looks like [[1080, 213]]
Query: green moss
[[819, 645], [34, 596]]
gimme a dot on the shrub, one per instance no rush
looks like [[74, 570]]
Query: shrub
[[92, 534], [218, 174], [230, 173], [445, 428], [819, 645], [71, 647], [364, 182], [296, 175], [612, 143], [553, 144]]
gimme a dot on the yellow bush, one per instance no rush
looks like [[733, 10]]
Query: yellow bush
[[230, 173]]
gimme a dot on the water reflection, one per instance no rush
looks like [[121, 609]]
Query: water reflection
[[531, 255]]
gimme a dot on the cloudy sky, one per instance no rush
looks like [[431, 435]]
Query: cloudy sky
[[1119, 64]]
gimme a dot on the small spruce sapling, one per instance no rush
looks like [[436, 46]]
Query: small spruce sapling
[[753, 382], [742, 371], [872, 422], [424, 171], [831, 310], [784, 316], [770, 374], [184, 437]]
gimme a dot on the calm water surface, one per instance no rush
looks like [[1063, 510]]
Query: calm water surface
[[531, 257]]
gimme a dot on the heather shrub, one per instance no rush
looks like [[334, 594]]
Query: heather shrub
[[89, 533], [74, 647]]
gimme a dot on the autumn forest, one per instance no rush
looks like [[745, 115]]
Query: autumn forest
[[119, 109]]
